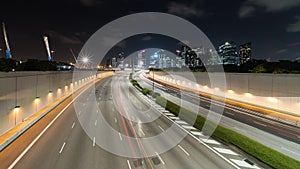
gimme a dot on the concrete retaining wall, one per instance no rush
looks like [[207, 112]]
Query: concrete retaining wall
[[276, 91], [32, 91]]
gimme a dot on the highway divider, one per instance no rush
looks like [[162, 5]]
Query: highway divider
[[261, 152]]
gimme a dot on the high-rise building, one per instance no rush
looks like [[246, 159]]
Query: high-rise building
[[213, 57], [200, 56], [114, 62], [228, 54], [245, 52]]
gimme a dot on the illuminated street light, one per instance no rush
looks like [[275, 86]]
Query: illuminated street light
[[248, 95], [37, 100], [272, 99], [16, 111]]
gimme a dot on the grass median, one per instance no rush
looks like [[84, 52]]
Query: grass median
[[261, 152]]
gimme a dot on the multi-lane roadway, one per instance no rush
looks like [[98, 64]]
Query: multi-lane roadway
[[71, 135]]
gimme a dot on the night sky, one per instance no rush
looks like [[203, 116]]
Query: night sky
[[273, 26]]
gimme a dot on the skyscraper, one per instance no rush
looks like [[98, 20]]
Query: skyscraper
[[245, 52], [228, 54]]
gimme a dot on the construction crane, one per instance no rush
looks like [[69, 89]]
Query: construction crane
[[46, 41], [8, 53], [76, 62]]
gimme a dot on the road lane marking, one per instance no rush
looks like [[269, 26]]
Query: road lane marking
[[210, 141], [259, 123], [189, 127], [242, 163], [229, 113], [79, 113], [161, 128], [40, 135], [116, 120], [196, 133], [94, 142], [174, 118], [225, 151], [62, 148], [162, 161], [290, 151], [95, 122], [142, 132], [73, 124], [129, 166], [181, 122], [184, 150], [120, 136]]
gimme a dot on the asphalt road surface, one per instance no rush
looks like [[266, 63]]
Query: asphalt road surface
[[71, 141]]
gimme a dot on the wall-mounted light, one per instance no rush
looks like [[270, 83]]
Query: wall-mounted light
[[272, 99], [17, 109], [248, 95], [37, 100]]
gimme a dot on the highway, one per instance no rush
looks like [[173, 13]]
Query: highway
[[246, 116], [272, 133], [67, 137]]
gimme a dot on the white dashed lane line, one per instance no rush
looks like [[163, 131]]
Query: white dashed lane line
[[161, 128], [128, 163], [73, 125], [120, 136], [184, 150], [62, 148]]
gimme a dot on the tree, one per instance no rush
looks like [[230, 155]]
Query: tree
[[259, 69]]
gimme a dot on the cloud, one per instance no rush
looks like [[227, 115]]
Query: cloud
[[294, 27], [146, 38], [281, 51], [246, 11], [249, 6], [63, 38], [184, 10]]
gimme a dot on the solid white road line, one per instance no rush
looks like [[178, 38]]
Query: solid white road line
[[94, 142], [162, 161], [73, 124], [95, 122], [161, 128], [129, 166], [120, 136], [38, 137], [62, 148], [184, 150]]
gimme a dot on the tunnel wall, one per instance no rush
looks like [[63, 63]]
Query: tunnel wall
[[32, 91]]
